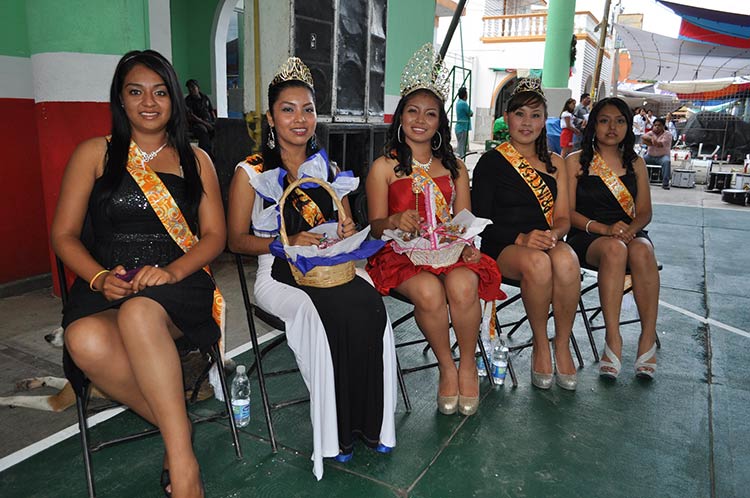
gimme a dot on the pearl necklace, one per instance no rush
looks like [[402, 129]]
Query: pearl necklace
[[149, 156], [424, 166]]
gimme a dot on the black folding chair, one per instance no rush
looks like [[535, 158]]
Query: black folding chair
[[253, 311], [408, 316], [82, 388], [515, 325], [589, 314]]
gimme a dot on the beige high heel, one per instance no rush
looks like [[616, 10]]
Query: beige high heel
[[447, 405], [643, 368]]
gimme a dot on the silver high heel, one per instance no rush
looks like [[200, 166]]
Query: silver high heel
[[538, 379], [569, 382], [447, 405]]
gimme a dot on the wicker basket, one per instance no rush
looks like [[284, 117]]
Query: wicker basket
[[436, 258], [319, 276]]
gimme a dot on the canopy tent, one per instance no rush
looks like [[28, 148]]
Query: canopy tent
[[733, 24], [660, 58]]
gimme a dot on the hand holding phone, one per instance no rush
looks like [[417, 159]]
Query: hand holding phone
[[128, 275]]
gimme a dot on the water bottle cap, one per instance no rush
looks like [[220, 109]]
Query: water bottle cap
[[240, 369]]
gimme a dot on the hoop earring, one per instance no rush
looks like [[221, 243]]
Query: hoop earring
[[398, 134], [271, 138], [440, 143]]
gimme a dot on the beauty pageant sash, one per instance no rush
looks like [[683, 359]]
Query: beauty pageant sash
[[419, 181], [532, 178], [614, 184]]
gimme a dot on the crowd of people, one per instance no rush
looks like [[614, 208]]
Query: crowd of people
[[140, 218]]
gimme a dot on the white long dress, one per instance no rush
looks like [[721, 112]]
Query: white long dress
[[307, 338]]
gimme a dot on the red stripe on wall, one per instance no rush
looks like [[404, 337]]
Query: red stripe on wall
[[23, 231], [61, 127]]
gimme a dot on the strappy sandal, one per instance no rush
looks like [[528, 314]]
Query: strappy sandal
[[643, 368], [609, 369]]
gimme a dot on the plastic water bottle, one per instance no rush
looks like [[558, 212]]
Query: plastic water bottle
[[499, 363], [488, 347], [241, 397]]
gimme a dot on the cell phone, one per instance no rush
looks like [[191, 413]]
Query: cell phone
[[128, 275]]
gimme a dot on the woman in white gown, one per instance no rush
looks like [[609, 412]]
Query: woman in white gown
[[341, 337]]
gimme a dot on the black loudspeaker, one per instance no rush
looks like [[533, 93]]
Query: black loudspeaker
[[376, 97], [232, 144], [313, 43], [351, 75]]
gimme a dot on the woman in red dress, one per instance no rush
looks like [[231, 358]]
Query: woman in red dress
[[417, 147]]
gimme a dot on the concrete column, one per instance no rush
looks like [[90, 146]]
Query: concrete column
[[556, 67]]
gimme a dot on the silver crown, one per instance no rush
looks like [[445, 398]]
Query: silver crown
[[425, 71], [293, 69]]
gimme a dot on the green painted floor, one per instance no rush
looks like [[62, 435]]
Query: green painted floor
[[686, 434]]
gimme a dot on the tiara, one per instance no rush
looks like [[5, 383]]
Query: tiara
[[425, 71], [529, 85], [293, 69]]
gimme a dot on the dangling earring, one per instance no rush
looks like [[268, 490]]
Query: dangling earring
[[398, 135], [271, 138], [313, 143], [440, 142]]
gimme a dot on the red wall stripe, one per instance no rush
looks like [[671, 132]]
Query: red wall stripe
[[23, 231]]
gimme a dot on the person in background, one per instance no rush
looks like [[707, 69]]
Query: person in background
[[649, 120], [463, 122], [671, 128], [201, 115], [580, 117], [639, 124], [612, 205], [567, 124], [500, 129], [659, 144], [511, 184]]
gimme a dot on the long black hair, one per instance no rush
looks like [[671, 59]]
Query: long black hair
[[532, 99], [588, 141], [177, 132], [396, 147], [272, 156]]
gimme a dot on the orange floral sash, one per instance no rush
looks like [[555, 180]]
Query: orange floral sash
[[418, 182], [532, 178], [614, 184], [174, 222]]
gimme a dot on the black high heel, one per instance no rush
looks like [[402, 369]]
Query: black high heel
[[165, 482]]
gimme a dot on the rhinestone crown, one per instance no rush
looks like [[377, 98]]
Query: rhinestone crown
[[293, 69], [529, 85], [425, 71]]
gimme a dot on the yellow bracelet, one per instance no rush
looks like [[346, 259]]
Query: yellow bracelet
[[93, 279]]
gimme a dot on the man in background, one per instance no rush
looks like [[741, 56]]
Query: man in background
[[201, 116], [463, 122], [659, 143]]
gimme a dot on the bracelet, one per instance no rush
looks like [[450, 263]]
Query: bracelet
[[587, 226], [93, 279]]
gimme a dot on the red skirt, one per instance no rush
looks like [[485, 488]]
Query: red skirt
[[566, 137], [389, 269]]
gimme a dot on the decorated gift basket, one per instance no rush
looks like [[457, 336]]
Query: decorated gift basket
[[436, 244], [332, 262]]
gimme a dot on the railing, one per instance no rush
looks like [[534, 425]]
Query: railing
[[532, 26]]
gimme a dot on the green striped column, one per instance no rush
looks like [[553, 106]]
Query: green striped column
[[410, 25]]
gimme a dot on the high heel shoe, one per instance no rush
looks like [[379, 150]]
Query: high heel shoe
[[613, 364], [569, 382], [538, 379], [643, 368], [468, 405], [447, 405]]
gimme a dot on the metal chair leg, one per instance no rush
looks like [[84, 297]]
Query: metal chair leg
[[256, 351], [216, 356], [83, 430]]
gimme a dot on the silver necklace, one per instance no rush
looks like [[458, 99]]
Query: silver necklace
[[424, 166], [149, 156]]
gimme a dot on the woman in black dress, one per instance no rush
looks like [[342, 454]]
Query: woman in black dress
[[522, 188], [610, 191], [138, 289]]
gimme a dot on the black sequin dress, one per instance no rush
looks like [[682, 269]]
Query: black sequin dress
[[127, 232]]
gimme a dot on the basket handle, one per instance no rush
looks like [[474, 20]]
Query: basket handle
[[290, 189]]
